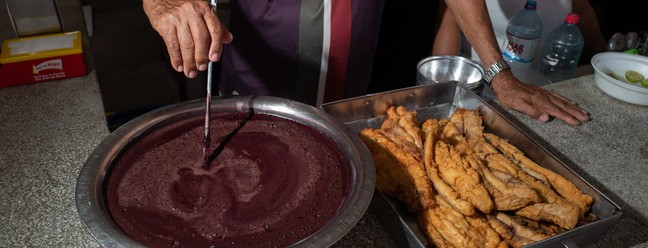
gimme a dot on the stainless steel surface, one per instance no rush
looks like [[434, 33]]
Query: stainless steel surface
[[442, 69], [91, 204], [440, 100]]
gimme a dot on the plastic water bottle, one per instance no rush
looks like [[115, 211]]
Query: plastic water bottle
[[522, 35], [562, 50]]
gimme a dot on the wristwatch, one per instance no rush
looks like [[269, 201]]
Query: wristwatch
[[493, 70]]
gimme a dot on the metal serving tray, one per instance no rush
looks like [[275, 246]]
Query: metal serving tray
[[441, 100]]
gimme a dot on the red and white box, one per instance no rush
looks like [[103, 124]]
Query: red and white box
[[42, 58], [3, 80]]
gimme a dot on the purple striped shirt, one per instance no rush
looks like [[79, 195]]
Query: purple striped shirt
[[311, 51]]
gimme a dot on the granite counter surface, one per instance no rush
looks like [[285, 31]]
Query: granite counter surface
[[47, 131]]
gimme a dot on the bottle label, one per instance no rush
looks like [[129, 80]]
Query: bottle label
[[519, 49]]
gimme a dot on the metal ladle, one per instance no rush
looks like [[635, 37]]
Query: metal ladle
[[207, 138]]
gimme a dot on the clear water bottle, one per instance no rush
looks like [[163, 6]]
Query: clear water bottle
[[522, 35], [562, 50]]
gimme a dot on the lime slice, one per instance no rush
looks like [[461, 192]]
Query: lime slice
[[644, 82], [633, 76]]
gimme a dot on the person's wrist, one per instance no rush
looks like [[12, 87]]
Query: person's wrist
[[495, 69]]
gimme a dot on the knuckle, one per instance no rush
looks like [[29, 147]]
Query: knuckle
[[188, 45]]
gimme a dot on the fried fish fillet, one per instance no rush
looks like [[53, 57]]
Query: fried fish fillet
[[565, 215], [430, 129], [454, 170], [507, 192], [470, 123], [456, 229], [399, 173], [401, 126], [500, 162], [563, 186], [522, 228], [570, 213], [451, 135]]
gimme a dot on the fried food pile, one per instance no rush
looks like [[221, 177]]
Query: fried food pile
[[468, 187]]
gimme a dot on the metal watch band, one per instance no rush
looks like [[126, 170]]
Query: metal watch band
[[495, 69]]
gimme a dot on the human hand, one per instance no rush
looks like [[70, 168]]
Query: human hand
[[535, 101], [191, 31]]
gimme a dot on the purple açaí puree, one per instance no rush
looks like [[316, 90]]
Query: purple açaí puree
[[273, 182]]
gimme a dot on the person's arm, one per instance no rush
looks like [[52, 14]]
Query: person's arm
[[447, 40], [595, 42], [191, 31], [536, 102]]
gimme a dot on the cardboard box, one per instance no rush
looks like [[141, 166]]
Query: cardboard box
[[42, 58]]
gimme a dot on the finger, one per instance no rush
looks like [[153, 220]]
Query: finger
[[571, 109], [173, 48], [187, 48], [559, 109], [561, 97], [201, 39], [529, 109], [218, 34]]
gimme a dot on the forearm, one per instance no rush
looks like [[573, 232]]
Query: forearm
[[448, 36], [472, 18]]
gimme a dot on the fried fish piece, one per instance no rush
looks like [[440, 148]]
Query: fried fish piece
[[433, 235], [470, 123], [568, 217], [500, 162], [399, 173], [430, 130], [456, 229], [504, 231], [565, 215], [454, 170], [491, 237], [526, 230], [507, 192], [400, 126], [451, 135], [563, 186]]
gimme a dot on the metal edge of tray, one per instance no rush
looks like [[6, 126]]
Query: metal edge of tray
[[440, 100]]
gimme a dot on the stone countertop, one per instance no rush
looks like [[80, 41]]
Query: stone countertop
[[48, 130]]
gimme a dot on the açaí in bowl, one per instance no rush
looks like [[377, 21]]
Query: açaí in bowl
[[281, 173]]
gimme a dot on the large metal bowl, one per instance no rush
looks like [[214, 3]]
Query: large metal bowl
[[90, 190]]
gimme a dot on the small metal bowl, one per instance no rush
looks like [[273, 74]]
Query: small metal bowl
[[91, 185], [443, 69]]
